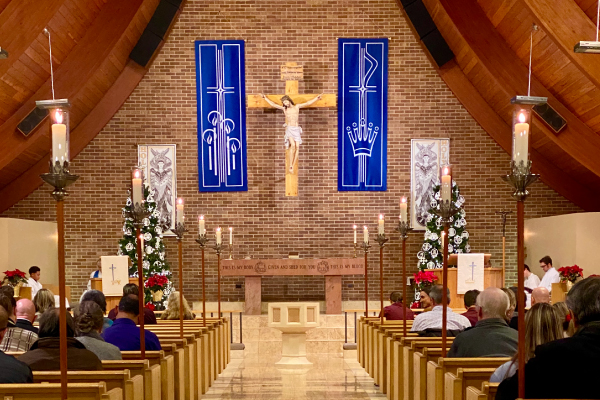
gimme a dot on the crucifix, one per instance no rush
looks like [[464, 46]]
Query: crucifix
[[504, 214], [289, 102]]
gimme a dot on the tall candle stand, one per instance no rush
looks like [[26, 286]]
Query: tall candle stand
[[138, 214], [504, 214], [202, 240], [59, 177], [366, 246], [446, 211], [179, 231], [403, 228], [355, 249], [381, 239], [230, 251], [217, 247], [519, 179]]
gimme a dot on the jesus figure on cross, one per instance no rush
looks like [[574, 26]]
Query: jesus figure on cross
[[293, 132]]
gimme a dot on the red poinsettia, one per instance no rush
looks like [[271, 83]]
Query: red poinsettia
[[570, 273], [424, 278], [14, 277], [156, 282], [150, 306]]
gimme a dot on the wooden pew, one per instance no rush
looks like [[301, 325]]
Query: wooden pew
[[190, 361], [132, 387], [487, 392], [456, 384], [51, 391], [420, 359], [151, 374], [437, 370], [167, 368], [380, 349]]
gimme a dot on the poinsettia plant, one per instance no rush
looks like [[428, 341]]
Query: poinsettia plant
[[150, 306], [570, 274], [424, 279], [13, 278], [157, 282]]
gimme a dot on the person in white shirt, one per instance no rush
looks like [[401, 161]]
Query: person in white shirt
[[433, 318], [33, 281], [551, 275], [95, 274], [531, 280]]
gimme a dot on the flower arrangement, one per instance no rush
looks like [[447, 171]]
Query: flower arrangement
[[157, 282], [150, 306], [570, 274], [13, 278], [424, 278]]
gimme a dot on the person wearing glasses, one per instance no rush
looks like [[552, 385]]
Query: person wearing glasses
[[550, 274]]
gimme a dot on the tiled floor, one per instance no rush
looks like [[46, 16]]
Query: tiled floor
[[255, 377]]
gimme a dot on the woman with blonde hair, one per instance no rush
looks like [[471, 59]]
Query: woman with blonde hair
[[543, 324], [172, 311], [563, 311], [43, 300]]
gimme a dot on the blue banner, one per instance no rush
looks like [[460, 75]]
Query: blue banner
[[362, 114], [221, 96]]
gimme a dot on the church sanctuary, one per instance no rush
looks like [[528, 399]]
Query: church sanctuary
[[299, 199]]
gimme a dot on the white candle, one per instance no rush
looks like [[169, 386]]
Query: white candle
[[219, 235], [366, 235], [354, 234], [59, 143], [380, 226], [142, 243], [201, 227], [137, 193], [443, 240], [403, 210], [446, 184], [230, 235], [521, 140], [179, 211]]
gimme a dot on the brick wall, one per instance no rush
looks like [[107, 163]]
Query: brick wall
[[317, 223]]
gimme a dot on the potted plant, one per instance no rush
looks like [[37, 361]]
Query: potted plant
[[569, 275], [423, 279], [156, 283], [16, 279]]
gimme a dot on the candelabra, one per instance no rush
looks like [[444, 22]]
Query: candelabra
[[217, 247], [202, 240], [366, 246], [403, 228], [381, 239], [179, 231], [520, 178]]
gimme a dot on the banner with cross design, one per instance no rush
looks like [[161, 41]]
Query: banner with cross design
[[362, 114], [470, 273]]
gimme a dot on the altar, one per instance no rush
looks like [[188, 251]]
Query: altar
[[331, 268]]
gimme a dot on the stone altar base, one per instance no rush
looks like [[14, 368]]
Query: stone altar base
[[293, 320]]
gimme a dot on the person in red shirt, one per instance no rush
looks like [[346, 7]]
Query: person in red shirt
[[131, 288], [470, 299], [397, 309]]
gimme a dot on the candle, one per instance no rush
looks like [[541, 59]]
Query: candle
[[142, 243], [59, 138], [403, 210], [179, 211], [366, 235], [354, 234], [380, 226], [219, 235], [446, 183], [443, 240], [521, 139], [137, 193], [230, 235], [201, 227]]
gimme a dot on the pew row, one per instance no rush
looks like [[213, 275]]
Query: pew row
[[131, 387], [52, 391], [487, 392]]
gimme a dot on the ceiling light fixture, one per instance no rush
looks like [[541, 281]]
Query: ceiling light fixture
[[590, 47]]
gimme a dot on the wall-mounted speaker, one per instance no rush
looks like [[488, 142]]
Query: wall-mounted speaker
[[550, 117], [32, 121], [438, 48], [420, 18]]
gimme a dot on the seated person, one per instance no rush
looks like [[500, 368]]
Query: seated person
[[565, 317], [98, 297], [97, 273], [556, 362], [396, 311], [11, 369], [44, 355], [469, 300], [542, 325], [531, 280], [34, 280], [425, 300], [433, 319], [15, 338], [43, 300], [26, 315], [124, 333], [131, 288], [512, 315], [491, 336], [172, 311], [540, 295], [89, 320]]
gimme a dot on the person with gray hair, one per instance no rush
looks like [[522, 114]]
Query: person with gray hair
[[491, 336], [560, 358], [432, 320], [89, 320]]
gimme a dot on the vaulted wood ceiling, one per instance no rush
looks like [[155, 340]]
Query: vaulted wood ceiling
[[490, 40], [91, 42]]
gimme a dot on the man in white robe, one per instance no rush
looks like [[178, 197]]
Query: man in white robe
[[551, 275], [33, 281]]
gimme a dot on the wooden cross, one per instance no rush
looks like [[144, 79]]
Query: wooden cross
[[291, 73]]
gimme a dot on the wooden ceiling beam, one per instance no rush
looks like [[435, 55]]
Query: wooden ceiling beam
[[81, 63], [566, 24], [510, 75]]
